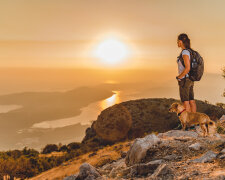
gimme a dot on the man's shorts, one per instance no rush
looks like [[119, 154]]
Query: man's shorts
[[186, 89]]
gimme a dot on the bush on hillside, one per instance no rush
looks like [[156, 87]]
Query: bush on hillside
[[50, 148], [73, 146]]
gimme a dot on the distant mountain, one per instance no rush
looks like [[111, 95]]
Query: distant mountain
[[44, 106]]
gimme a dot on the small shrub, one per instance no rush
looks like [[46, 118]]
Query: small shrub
[[74, 145], [50, 148]]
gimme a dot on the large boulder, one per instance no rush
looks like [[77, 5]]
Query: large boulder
[[87, 172], [139, 148], [135, 118], [113, 123]]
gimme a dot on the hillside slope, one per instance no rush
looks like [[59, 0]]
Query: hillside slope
[[175, 154], [148, 115]]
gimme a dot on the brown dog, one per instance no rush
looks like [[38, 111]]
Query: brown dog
[[191, 118]]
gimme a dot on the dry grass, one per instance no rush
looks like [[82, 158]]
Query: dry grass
[[52, 154], [103, 156]]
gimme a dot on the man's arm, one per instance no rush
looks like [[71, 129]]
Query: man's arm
[[187, 66]]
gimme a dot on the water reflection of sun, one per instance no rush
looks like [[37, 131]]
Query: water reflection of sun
[[114, 99]]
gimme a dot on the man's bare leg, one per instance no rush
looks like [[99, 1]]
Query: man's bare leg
[[187, 106], [193, 105]]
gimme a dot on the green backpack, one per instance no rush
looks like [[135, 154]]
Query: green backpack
[[197, 65]]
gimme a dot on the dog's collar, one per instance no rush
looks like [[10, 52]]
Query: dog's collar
[[181, 112]]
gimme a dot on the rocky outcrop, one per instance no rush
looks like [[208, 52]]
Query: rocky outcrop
[[164, 154], [207, 157], [135, 118], [163, 171], [175, 154], [113, 123], [178, 134], [195, 146], [87, 172], [139, 148], [144, 169]]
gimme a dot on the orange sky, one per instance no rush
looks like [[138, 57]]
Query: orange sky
[[63, 33]]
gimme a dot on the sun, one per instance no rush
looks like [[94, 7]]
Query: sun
[[111, 51]]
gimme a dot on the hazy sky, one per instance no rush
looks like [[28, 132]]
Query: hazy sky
[[51, 33]]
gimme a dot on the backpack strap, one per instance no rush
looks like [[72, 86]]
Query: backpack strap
[[182, 60]]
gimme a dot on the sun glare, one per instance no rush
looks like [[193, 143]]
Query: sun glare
[[111, 51]]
